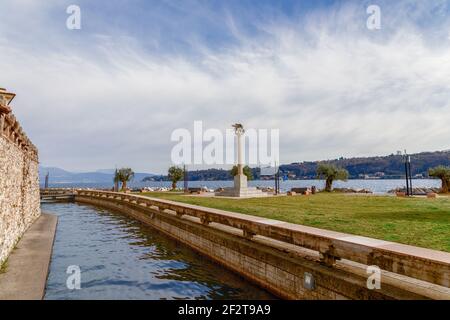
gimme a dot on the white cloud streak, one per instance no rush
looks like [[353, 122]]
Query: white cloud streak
[[332, 87]]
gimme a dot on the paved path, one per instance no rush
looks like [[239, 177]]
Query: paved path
[[27, 268]]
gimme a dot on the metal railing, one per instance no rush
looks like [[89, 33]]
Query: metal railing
[[424, 264], [57, 193]]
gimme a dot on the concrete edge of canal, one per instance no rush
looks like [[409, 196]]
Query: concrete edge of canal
[[28, 265], [279, 267]]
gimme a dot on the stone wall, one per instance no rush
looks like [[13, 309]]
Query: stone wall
[[19, 184]]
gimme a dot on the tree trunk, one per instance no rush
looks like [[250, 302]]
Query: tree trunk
[[174, 185], [445, 185], [124, 185], [328, 184]]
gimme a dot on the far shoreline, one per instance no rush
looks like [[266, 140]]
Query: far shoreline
[[377, 186]]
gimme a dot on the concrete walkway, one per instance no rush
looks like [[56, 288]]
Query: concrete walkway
[[27, 268]]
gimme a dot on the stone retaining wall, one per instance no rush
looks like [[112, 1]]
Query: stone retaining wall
[[279, 267], [19, 183]]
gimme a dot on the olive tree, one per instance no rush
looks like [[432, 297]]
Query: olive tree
[[443, 173], [331, 173], [175, 175], [124, 175]]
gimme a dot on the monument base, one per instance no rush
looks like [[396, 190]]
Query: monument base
[[241, 190], [249, 192]]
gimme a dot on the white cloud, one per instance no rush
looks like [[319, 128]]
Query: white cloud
[[332, 87]]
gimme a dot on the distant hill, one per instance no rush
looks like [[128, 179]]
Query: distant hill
[[391, 166], [382, 167], [60, 176], [199, 175]]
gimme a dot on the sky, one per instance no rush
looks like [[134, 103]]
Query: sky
[[111, 93]]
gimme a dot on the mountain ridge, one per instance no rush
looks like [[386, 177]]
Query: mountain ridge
[[58, 175]]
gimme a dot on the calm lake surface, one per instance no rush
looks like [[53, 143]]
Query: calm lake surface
[[120, 258], [377, 186]]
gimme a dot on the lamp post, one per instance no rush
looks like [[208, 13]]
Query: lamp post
[[116, 181], [46, 180], [186, 186], [410, 176], [277, 179], [409, 191]]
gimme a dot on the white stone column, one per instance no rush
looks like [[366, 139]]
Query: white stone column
[[240, 163], [240, 180]]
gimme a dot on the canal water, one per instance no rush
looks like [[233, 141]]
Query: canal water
[[120, 258]]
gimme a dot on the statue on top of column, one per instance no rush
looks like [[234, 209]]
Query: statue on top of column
[[238, 129]]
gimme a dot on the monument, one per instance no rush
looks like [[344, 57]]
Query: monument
[[240, 189]]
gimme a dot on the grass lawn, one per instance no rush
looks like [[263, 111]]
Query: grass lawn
[[416, 221]]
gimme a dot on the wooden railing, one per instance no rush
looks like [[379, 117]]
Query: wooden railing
[[419, 263]]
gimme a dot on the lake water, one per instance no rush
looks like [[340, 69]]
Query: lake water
[[377, 186], [120, 258]]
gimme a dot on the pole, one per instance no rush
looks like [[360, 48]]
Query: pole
[[407, 168], [116, 181], [46, 181], [279, 180], [410, 176], [186, 187], [276, 182], [275, 178]]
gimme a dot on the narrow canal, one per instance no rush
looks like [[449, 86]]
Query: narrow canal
[[120, 258]]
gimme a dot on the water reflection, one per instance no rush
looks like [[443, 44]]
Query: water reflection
[[120, 258]]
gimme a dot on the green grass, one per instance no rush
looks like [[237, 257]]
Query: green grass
[[416, 221]]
